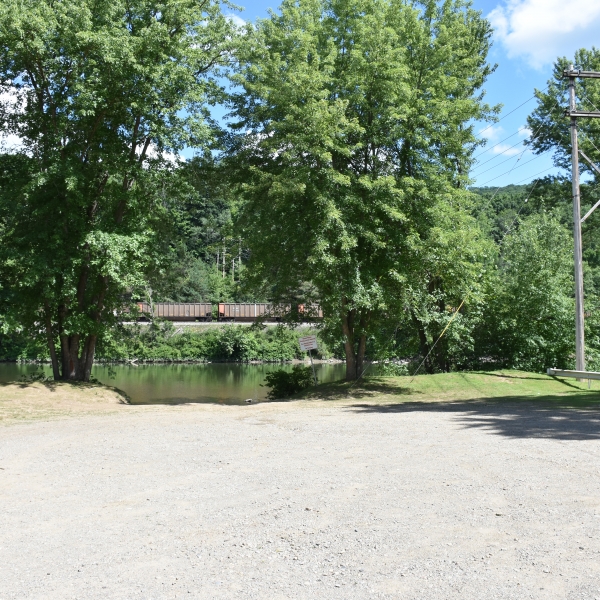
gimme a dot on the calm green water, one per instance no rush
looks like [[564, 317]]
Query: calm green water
[[224, 383]]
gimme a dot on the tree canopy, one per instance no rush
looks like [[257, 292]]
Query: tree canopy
[[103, 95], [353, 149]]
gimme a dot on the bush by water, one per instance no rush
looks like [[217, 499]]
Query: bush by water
[[284, 384]]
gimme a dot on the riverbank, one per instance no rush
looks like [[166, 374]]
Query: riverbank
[[21, 401], [166, 342], [38, 400], [378, 491]]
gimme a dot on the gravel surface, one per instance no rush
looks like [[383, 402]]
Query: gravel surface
[[303, 500]]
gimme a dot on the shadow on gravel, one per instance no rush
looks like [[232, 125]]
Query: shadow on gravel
[[554, 417]]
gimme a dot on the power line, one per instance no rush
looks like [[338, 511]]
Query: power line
[[499, 154], [530, 176], [514, 169], [500, 142], [511, 112], [588, 99], [532, 138], [496, 166]]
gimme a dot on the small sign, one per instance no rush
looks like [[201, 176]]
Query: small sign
[[308, 343]]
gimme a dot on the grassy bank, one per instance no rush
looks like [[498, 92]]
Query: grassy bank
[[494, 386]]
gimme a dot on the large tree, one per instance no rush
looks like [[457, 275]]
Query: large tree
[[548, 122], [354, 143], [102, 95], [551, 128]]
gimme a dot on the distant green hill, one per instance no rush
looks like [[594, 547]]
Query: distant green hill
[[510, 190]]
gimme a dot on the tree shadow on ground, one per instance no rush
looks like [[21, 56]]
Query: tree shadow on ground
[[562, 381], [550, 416], [367, 388]]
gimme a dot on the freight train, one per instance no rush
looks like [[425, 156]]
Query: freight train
[[226, 311]]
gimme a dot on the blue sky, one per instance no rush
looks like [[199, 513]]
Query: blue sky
[[529, 35]]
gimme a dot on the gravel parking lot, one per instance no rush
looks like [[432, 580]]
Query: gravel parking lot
[[301, 500]]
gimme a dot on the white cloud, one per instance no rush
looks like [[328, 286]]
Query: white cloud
[[237, 21], [524, 131], [542, 30], [507, 150], [491, 132]]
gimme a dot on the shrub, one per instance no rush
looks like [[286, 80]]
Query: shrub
[[284, 383]]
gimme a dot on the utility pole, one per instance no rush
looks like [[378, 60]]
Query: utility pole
[[573, 113], [579, 330]]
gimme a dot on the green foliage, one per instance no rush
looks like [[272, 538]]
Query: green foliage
[[354, 143], [203, 232], [529, 321], [15, 346], [104, 94], [496, 210], [163, 341], [548, 123], [392, 369], [284, 384]]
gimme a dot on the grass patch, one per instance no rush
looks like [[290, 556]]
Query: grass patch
[[506, 385]]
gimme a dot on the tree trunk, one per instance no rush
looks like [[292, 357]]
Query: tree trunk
[[77, 361], [87, 372], [355, 356], [51, 346], [360, 356], [348, 330], [350, 361], [70, 356], [424, 346]]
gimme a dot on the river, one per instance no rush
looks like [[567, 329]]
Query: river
[[223, 383]]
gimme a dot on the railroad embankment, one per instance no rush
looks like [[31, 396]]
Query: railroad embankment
[[168, 342]]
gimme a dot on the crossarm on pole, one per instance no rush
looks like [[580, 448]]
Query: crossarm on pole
[[589, 212]]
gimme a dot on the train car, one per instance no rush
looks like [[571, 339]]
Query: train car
[[309, 312], [228, 311], [248, 312], [178, 311]]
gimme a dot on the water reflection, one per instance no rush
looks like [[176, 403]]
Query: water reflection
[[224, 383]]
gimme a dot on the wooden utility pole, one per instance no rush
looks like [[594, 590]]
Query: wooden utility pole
[[579, 331], [573, 113]]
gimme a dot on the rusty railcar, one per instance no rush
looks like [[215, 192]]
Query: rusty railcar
[[310, 312], [178, 311], [229, 311]]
